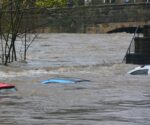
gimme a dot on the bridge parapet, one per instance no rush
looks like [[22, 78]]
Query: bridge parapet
[[104, 13]]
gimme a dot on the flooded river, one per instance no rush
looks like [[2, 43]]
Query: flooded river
[[112, 97]]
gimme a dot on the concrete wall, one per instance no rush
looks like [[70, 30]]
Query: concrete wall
[[141, 51]]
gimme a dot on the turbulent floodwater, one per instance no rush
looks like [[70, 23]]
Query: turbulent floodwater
[[112, 97]]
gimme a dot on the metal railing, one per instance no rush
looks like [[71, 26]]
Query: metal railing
[[131, 45], [70, 3]]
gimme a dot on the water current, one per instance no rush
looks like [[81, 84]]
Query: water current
[[112, 97]]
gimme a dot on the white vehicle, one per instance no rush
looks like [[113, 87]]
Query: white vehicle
[[141, 70]]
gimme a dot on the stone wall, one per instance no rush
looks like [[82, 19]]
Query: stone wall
[[86, 19]]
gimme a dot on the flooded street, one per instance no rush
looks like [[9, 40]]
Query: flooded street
[[112, 97]]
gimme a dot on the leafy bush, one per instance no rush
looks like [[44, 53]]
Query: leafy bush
[[51, 3]]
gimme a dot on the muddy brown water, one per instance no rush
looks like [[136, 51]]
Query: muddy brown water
[[112, 97]]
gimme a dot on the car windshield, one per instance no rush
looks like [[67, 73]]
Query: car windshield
[[140, 72]]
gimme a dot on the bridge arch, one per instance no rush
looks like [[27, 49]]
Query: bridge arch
[[128, 27]]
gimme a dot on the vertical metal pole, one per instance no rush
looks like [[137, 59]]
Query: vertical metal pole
[[25, 45]]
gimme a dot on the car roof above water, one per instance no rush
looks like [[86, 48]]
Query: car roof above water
[[140, 70]]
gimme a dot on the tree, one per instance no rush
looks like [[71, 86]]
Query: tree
[[56, 3], [51, 3], [13, 27]]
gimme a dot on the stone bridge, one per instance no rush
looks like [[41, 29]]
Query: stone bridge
[[97, 19]]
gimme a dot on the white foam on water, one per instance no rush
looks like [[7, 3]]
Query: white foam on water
[[11, 74]]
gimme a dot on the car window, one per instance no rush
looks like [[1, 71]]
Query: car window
[[140, 72], [7, 90]]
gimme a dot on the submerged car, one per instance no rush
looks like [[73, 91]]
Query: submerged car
[[64, 80], [6, 87], [141, 70]]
